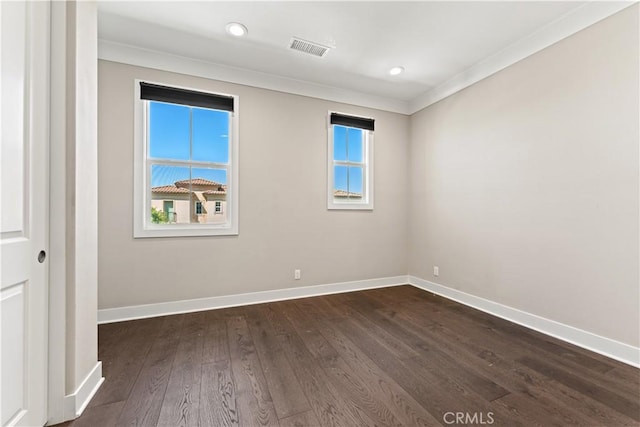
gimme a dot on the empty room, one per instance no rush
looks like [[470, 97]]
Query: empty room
[[322, 213]]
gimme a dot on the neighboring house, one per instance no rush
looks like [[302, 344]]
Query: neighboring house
[[191, 201]]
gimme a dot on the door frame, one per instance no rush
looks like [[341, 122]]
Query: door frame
[[73, 380], [57, 219]]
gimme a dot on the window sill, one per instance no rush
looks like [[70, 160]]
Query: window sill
[[350, 206], [184, 231]]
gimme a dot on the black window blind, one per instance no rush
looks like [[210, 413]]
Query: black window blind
[[153, 92], [352, 121]]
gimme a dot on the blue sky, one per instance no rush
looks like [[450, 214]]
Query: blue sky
[[170, 136]]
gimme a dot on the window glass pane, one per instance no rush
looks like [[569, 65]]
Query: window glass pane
[[355, 182], [169, 194], [169, 129], [340, 186], [209, 188], [354, 138], [210, 135], [162, 175], [339, 143]]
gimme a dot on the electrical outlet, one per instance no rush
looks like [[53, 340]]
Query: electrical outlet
[[436, 270], [296, 274]]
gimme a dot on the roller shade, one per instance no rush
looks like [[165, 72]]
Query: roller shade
[[153, 92], [352, 121]]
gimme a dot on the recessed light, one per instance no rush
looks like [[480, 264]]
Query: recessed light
[[396, 70], [236, 29]]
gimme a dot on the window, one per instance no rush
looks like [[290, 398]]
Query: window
[[186, 157], [350, 162], [218, 207]]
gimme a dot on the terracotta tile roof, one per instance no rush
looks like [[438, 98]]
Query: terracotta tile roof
[[342, 193], [182, 187], [169, 189], [197, 181]]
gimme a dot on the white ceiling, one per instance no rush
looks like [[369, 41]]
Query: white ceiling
[[434, 41]]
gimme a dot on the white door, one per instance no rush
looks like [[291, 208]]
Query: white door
[[24, 167]]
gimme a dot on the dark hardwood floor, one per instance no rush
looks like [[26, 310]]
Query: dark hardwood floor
[[388, 357]]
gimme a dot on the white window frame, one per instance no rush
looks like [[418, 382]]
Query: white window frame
[[142, 225], [366, 203]]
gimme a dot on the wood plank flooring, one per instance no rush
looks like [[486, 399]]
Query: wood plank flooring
[[387, 357]]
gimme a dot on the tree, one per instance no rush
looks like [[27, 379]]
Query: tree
[[158, 217]]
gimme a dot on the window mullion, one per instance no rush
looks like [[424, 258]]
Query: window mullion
[[348, 168], [346, 144], [347, 163]]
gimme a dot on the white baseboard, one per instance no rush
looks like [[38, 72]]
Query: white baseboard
[[119, 314], [614, 349], [75, 404]]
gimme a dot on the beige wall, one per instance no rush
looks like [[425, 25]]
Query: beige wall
[[284, 222], [524, 186]]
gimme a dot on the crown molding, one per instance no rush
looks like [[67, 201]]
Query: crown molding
[[563, 27], [132, 55]]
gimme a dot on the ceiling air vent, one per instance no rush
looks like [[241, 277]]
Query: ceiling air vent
[[311, 48]]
